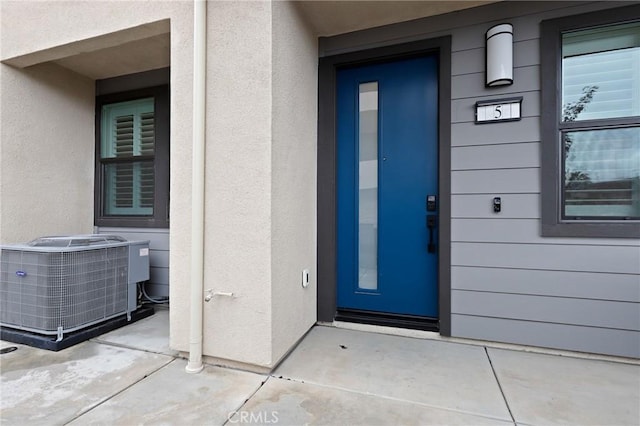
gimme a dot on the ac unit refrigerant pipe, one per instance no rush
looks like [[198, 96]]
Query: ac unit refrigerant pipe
[[197, 186]]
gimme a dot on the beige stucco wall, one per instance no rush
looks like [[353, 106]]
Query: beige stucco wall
[[47, 142], [33, 26], [260, 174], [238, 189], [260, 154], [293, 180]]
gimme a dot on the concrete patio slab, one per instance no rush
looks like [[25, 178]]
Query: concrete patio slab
[[550, 389], [292, 403], [44, 387], [434, 373], [334, 377], [173, 397], [149, 334]]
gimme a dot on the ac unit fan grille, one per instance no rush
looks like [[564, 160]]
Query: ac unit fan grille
[[46, 291]]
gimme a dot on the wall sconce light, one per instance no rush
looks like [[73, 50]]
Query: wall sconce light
[[499, 55]]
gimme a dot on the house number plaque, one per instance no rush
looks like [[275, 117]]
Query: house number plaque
[[508, 109]]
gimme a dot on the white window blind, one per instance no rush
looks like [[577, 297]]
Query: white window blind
[[606, 63]]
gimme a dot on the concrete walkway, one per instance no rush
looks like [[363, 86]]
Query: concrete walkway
[[334, 377]]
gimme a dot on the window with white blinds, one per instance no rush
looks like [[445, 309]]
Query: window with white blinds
[[600, 123], [127, 157]]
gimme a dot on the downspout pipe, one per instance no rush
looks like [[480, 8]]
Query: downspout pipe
[[197, 186]]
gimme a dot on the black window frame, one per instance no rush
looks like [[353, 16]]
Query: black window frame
[[160, 217], [551, 147]]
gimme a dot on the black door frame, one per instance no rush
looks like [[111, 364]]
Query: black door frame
[[327, 179]]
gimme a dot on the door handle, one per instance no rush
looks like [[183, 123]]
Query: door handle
[[431, 224]]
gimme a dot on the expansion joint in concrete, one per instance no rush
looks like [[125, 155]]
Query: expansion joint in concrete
[[232, 413], [499, 385], [120, 391]]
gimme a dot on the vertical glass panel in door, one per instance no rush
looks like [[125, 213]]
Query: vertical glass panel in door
[[368, 186]]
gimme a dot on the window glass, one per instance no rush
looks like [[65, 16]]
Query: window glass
[[128, 134], [601, 73], [602, 173]]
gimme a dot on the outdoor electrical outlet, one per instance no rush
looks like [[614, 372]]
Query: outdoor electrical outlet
[[305, 278]]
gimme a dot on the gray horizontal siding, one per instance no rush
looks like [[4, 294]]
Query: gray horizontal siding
[[495, 181], [159, 275], [525, 79], [580, 285], [156, 290], [522, 231], [158, 238], [509, 284], [472, 60], [516, 155], [158, 255], [561, 310], [580, 258], [514, 206], [550, 335], [526, 130]]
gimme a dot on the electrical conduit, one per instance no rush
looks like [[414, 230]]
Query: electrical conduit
[[197, 186]]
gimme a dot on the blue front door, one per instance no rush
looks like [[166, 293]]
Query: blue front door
[[387, 165]]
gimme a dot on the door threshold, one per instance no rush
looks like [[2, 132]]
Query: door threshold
[[412, 322]]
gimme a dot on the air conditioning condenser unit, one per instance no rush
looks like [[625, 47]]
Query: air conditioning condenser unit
[[56, 285]]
